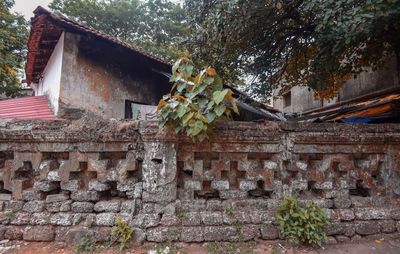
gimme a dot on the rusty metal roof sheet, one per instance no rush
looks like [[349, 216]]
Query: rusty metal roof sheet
[[33, 107]]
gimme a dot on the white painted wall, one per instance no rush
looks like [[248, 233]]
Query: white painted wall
[[49, 84]]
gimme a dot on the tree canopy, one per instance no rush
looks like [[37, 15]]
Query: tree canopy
[[13, 34], [284, 43], [157, 26]]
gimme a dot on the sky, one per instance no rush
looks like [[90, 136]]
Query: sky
[[26, 7]]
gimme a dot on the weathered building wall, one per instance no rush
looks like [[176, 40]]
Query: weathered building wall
[[365, 83], [66, 183], [95, 78], [49, 84]]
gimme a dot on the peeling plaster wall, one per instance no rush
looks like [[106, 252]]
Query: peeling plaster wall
[[93, 82], [49, 84], [61, 182]]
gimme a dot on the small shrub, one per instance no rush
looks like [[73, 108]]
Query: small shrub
[[197, 100], [86, 245], [123, 232], [301, 224]]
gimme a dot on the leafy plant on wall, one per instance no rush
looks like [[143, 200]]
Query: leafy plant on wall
[[197, 100]]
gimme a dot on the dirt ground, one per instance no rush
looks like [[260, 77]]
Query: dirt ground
[[262, 247]]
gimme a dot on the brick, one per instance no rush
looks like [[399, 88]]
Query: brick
[[32, 195], [345, 214], [82, 207], [269, 232], [341, 203], [70, 185], [42, 218], [73, 236], [20, 218], [232, 194], [16, 205], [220, 233], [128, 206], [220, 185], [39, 234], [211, 218], [193, 205], [53, 176], [61, 219], [125, 186], [57, 197], [14, 233], [46, 186], [95, 185], [170, 220], [192, 234], [373, 213], [105, 219], [34, 206], [247, 185], [214, 205], [63, 206], [85, 196], [146, 220], [367, 228], [163, 234], [388, 226], [102, 234], [190, 218], [361, 201], [248, 232], [108, 206]]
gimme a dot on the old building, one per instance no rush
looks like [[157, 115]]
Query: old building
[[300, 99], [77, 67]]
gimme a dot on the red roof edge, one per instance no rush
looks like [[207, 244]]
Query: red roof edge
[[27, 108]]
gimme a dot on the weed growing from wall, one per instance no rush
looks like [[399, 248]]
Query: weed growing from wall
[[301, 224], [123, 232]]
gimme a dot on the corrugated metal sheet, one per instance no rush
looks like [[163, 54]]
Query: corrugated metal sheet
[[36, 107]]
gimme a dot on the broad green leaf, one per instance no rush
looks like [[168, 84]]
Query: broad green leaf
[[187, 117], [220, 109], [219, 96]]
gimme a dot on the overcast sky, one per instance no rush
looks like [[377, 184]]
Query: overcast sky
[[26, 7]]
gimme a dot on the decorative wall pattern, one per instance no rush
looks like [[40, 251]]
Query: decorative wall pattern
[[60, 184]]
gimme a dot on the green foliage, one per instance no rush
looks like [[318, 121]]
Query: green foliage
[[86, 245], [228, 211], [13, 35], [197, 100], [157, 26], [123, 232], [318, 43], [301, 224]]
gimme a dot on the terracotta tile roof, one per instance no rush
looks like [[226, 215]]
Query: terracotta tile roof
[[46, 27], [35, 107]]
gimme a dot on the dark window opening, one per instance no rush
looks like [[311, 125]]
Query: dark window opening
[[287, 99]]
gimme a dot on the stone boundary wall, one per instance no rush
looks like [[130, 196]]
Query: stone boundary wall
[[62, 180]]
